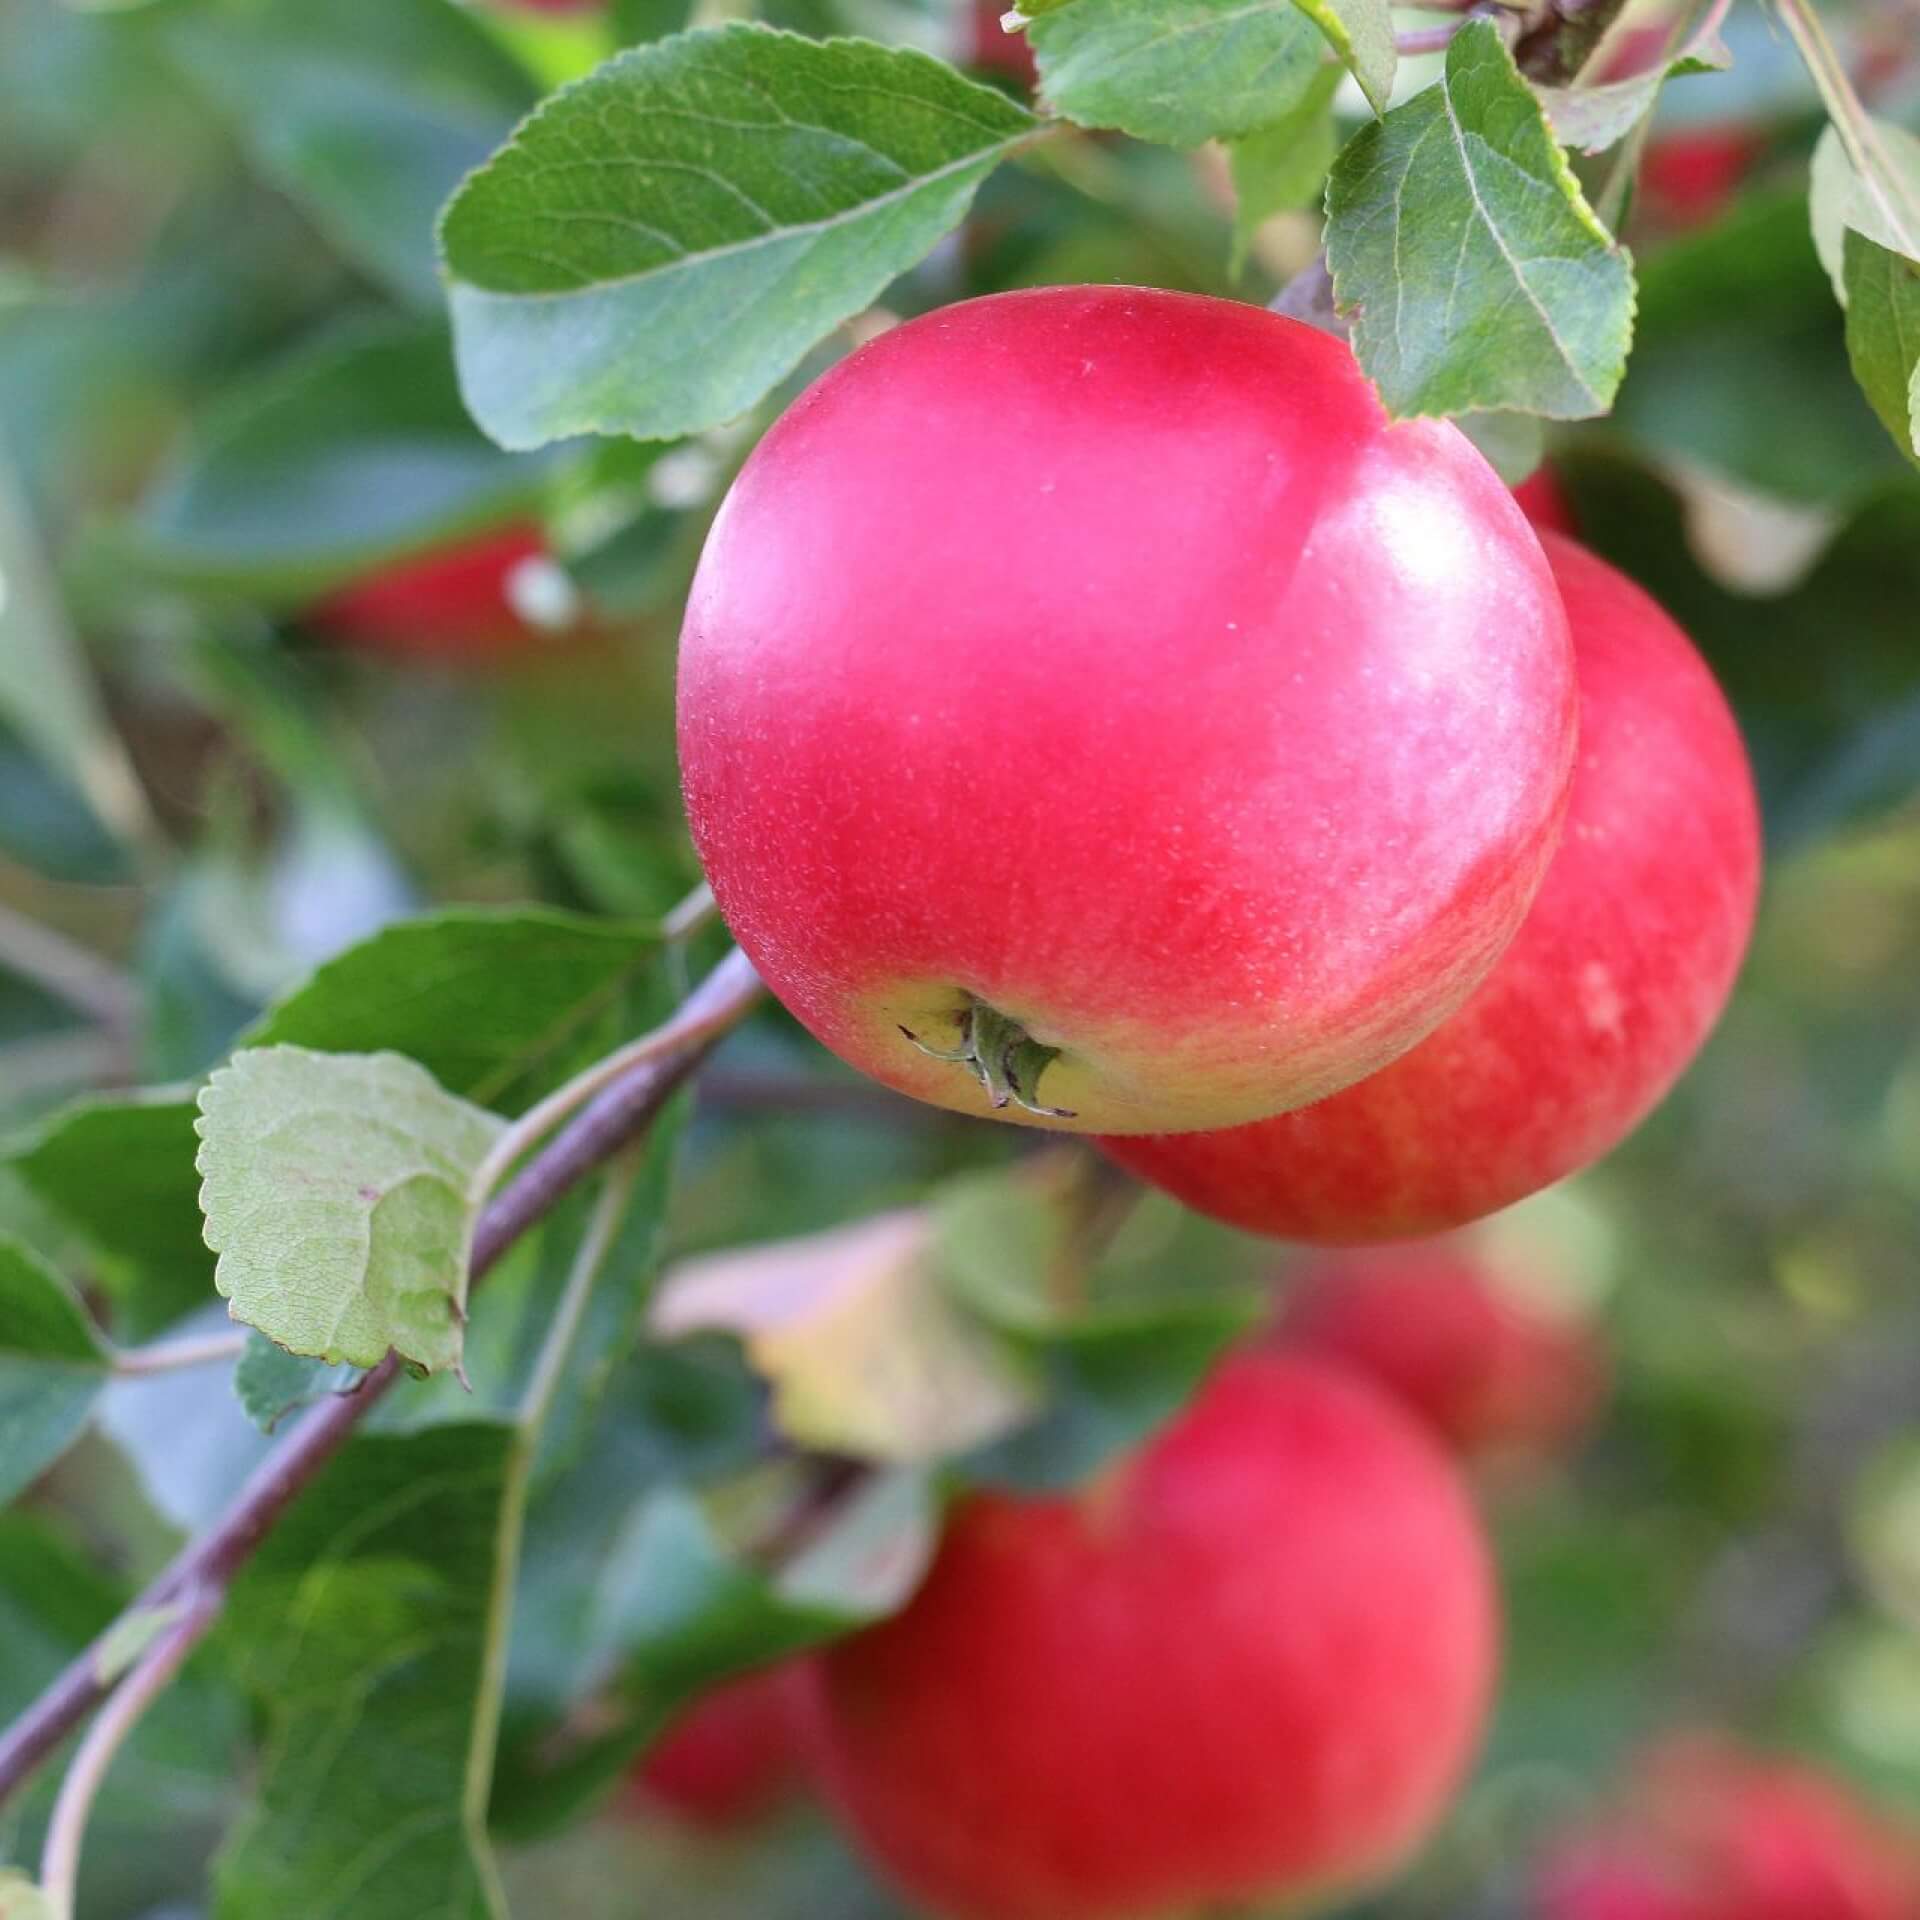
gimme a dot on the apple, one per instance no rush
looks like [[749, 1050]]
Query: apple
[[729, 1758], [1596, 1009], [1248, 1663], [991, 47], [1093, 712], [1488, 1369], [453, 603], [1688, 178], [1713, 1832], [1544, 501]]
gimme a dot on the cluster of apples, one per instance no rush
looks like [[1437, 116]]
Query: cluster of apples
[[1095, 713]]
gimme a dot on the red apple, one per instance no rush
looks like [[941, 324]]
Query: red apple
[[1596, 1009], [991, 46], [1544, 501], [1248, 1664], [1716, 1833], [730, 1757], [1687, 179], [1439, 1330], [1093, 711], [454, 603]]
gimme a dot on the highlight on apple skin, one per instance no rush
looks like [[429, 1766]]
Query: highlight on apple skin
[[1249, 1663], [1611, 988], [1433, 1323], [1093, 712]]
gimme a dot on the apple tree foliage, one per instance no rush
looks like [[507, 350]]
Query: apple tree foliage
[[291, 941]]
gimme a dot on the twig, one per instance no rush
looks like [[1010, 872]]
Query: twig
[[697, 1016], [615, 1118], [144, 1683], [1427, 39], [58, 1062], [170, 1356], [697, 910], [70, 972]]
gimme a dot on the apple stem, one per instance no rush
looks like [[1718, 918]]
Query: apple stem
[[1002, 1056]]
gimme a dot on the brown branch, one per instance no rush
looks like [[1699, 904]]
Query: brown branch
[[614, 1119]]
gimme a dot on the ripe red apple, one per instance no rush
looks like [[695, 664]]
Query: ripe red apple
[[454, 603], [991, 46], [1614, 982], [1435, 1326], [1688, 178], [1715, 1833], [1544, 501], [1249, 1663], [730, 1757], [1093, 711]]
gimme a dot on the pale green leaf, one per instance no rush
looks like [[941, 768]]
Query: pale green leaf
[[1513, 444], [129, 1637], [1883, 335], [1361, 33], [1177, 71], [350, 454], [336, 1193], [52, 1366], [367, 112], [1285, 165], [1472, 271], [20, 1899], [1594, 118], [1839, 200], [663, 241], [866, 1354]]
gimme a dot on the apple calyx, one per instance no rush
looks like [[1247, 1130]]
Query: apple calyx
[[1001, 1055]]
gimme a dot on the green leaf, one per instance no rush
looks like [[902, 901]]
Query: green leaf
[[367, 112], [866, 1353], [1513, 444], [1473, 271], [350, 454], [119, 1170], [272, 1383], [483, 998], [1594, 118], [46, 691], [663, 241], [636, 21], [1361, 33], [52, 1364], [364, 1625], [395, 1573], [1178, 71], [1838, 200], [1285, 165], [1883, 335], [336, 1194]]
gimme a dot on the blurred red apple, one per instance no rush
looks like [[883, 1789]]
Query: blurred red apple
[[1544, 501], [1712, 1832], [1436, 1327], [457, 602], [1688, 178], [731, 1757], [992, 47]]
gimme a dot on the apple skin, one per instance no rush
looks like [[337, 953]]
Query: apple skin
[[992, 48], [450, 604], [1596, 1009], [1689, 179], [1544, 501], [1435, 1328], [1712, 1832], [1250, 1662], [731, 1757], [1104, 657]]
